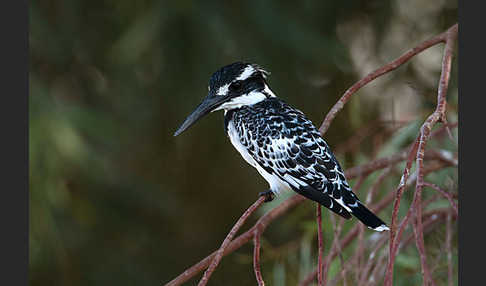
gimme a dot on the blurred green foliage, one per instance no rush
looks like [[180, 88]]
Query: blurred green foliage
[[115, 199]]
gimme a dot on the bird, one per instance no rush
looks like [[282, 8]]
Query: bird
[[279, 141]]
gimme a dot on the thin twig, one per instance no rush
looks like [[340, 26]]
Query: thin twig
[[339, 248], [376, 208], [219, 254], [430, 218], [418, 232], [377, 270], [281, 209], [445, 155], [359, 253], [377, 184], [336, 248], [369, 263], [240, 240], [320, 244], [449, 249], [256, 259], [439, 115], [373, 75], [444, 128], [396, 207], [447, 195]]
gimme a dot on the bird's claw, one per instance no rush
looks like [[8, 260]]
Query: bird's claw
[[269, 195]]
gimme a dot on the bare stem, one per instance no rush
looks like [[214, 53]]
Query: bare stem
[[219, 254], [447, 195], [419, 148], [256, 259], [449, 249], [353, 233], [320, 244], [378, 72]]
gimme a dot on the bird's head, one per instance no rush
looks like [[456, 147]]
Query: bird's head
[[232, 86]]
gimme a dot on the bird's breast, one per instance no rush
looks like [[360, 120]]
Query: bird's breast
[[242, 143], [234, 137]]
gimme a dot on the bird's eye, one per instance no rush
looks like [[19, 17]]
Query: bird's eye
[[235, 86]]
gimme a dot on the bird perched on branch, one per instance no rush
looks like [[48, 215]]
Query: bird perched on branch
[[279, 141]]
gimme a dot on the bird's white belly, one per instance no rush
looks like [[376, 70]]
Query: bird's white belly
[[276, 184]]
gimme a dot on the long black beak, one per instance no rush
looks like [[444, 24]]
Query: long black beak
[[207, 105]]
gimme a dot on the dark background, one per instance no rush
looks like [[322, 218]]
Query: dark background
[[116, 199]]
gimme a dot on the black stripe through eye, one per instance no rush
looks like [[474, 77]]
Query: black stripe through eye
[[235, 86]]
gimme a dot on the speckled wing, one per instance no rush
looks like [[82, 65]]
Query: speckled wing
[[285, 143]]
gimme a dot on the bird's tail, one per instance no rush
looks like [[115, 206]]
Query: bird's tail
[[368, 218]]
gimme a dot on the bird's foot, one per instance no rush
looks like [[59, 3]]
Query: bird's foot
[[269, 195]]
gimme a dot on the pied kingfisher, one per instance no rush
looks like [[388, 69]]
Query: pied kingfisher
[[279, 141]]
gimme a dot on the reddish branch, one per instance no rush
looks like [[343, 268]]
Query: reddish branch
[[337, 231], [434, 218], [287, 205], [376, 208], [399, 193], [443, 193], [377, 271], [219, 254], [354, 143], [373, 75], [415, 153], [256, 259], [430, 218], [369, 263], [350, 236], [448, 38], [328, 259], [319, 244], [443, 128], [358, 260], [273, 214], [395, 245], [448, 248], [377, 184], [244, 238], [438, 115], [374, 165]]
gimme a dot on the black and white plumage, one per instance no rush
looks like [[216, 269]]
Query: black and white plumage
[[279, 141]]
